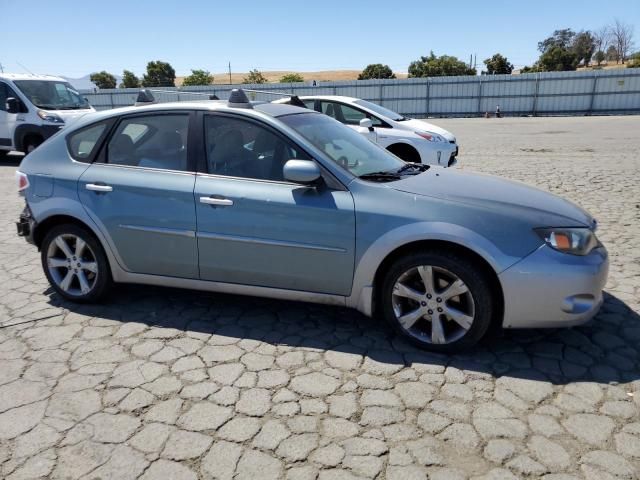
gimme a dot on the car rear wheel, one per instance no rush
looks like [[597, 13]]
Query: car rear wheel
[[75, 264], [439, 301]]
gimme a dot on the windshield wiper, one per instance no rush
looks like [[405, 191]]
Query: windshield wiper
[[380, 176], [415, 166]]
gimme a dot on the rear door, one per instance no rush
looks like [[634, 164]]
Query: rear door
[[140, 193], [255, 228]]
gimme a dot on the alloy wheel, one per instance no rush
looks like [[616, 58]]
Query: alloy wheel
[[433, 304], [72, 264]]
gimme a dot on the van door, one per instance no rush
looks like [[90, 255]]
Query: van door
[[7, 120]]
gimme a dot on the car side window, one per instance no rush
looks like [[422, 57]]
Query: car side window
[[3, 97], [5, 92], [310, 104], [347, 114], [83, 142], [240, 148], [151, 141]]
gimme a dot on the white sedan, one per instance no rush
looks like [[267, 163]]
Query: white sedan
[[411, 140]]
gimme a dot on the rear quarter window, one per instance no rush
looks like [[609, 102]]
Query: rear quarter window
[[83, 143]]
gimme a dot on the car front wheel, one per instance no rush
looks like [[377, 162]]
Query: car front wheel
[[75, 264], [439, 301]]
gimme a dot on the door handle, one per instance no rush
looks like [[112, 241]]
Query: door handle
[[219, 202], [94, 187]]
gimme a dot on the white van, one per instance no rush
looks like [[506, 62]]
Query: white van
[[34, 107]]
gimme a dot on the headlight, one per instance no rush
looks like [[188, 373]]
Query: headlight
[[49, 117], [431, 137], [576, 241]]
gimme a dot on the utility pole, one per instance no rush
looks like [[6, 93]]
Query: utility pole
[[229, 73]]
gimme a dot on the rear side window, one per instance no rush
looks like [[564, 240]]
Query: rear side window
[[151, 141], [82, 143]]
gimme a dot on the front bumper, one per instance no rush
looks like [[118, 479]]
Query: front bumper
[[26, 225], [550, 289]]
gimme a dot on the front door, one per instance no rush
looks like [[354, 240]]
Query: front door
[[255, 228], [140, 193], [351, 117], [7, 120]]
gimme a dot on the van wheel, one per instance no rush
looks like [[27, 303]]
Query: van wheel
[[75, 264], [31, 143], [437, 300]]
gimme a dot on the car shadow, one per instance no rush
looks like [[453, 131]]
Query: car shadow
[[605, 350]]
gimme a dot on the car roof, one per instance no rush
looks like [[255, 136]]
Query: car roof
[[30, 76], [273, 110]]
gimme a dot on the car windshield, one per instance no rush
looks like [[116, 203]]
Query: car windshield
[[381, 110], [344, 146], [51, 94]]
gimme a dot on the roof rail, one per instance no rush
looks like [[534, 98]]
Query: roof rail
[[295, 100], [145, 96]]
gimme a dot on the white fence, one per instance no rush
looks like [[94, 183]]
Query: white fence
[[551, 93]]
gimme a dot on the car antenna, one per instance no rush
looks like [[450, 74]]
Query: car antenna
[[145, 97], [239, 99], [25, 68], [295, 100]]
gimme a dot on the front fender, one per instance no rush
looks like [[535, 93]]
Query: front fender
[[362, 293]]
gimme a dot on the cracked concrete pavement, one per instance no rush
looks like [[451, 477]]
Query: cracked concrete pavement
[[162, 383]]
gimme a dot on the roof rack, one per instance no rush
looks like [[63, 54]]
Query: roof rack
[[295, 100], [145, 96], [237, 98]]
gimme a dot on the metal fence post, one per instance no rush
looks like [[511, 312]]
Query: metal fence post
[[428, 95], [593, 93], [480, 96], [535, 95]]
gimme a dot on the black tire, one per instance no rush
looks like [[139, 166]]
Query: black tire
[[101, 283], [405, 152], [476, 282], [30, 144]]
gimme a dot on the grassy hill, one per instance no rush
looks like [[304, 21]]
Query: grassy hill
[[275, 76]]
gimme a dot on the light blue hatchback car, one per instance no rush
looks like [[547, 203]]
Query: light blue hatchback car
[[279, 201]]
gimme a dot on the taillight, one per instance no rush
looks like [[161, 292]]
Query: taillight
[[22, 180]]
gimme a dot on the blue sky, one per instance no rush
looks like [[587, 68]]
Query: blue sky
[[73, 38]]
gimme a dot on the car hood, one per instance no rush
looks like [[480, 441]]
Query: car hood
[[69, 116], [423, 126], [542, 209]]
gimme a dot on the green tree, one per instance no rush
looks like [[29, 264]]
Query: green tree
[[634, 61], [292, 78], [560, 38], [444, 65], [612, 54], [584, 46], [599, 57], [129, 80], [557, 59], [254, 76], [498, 65], [198, 77], [376, 70], [159, 74], [103, 79]]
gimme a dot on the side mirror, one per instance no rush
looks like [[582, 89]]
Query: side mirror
[[366, 123], [13, 105], [301, 171]]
